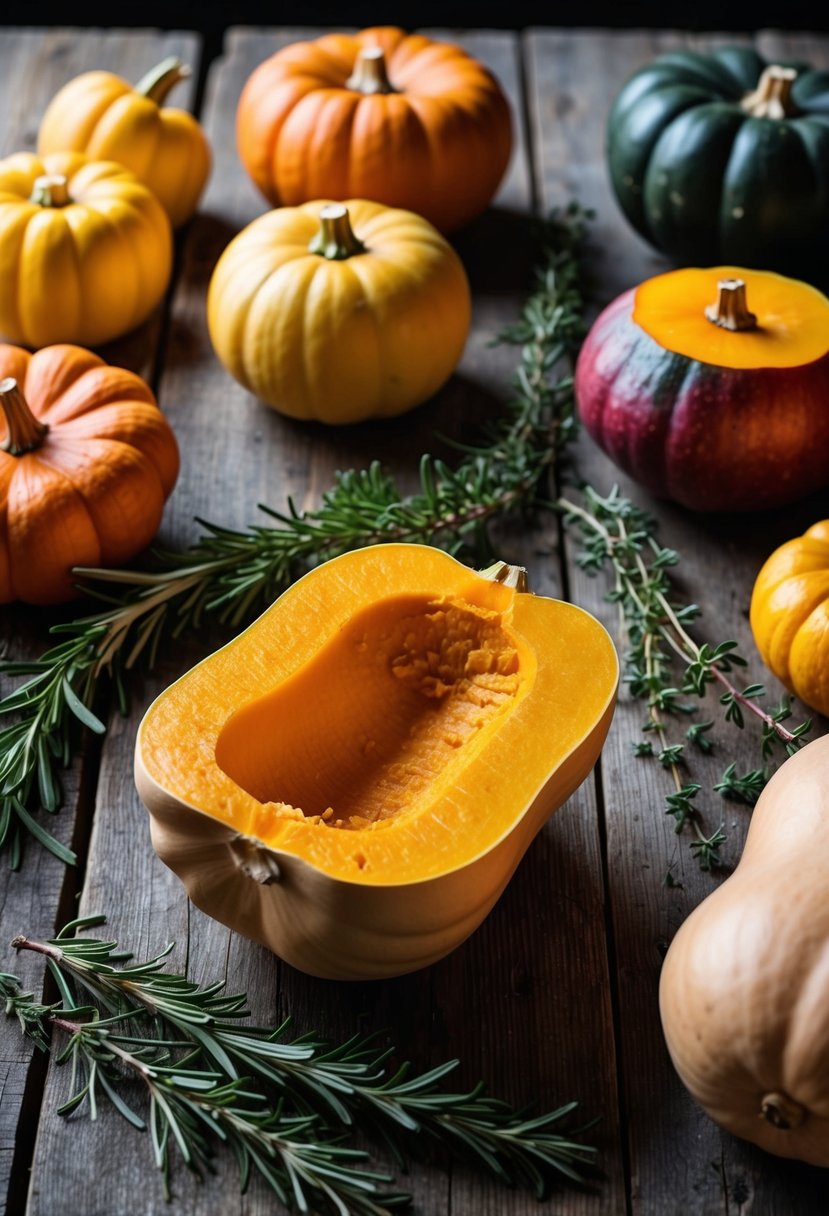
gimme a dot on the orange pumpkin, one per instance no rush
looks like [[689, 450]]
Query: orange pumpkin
[[86, 465], [382, 115], [103, 116]]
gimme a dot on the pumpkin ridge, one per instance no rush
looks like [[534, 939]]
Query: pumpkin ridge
[[36, 582]]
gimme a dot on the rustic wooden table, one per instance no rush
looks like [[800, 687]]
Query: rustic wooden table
[[555, 996]]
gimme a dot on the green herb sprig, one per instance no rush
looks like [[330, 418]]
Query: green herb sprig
[[282, 1106]]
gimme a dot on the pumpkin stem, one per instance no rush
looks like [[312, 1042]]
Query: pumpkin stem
[[772, 97], [255, 860], [162, 79], [25, 433], [335, 239], [370, 74], [50, 190], [510, 576], [781, 1111], [731, 310]]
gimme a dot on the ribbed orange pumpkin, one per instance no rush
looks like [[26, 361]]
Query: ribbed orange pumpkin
[[396, 118], [790, 615], [87, 462]]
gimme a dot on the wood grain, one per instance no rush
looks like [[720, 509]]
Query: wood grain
[[680, 1163]]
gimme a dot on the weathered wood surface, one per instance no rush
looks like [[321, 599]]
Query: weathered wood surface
[[560, 982]]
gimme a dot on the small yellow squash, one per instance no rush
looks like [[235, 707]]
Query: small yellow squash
[[744, 992], [85, 250], [324, 324], [790, 615], [104, 117], [353, 780]]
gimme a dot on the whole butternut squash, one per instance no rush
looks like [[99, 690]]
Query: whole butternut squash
[[744, 992], [353, 780]]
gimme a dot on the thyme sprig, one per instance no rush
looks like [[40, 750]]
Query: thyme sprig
[[619, 536], [228, 574], [283, 1106]]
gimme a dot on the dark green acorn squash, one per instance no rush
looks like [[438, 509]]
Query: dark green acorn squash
[[723, 157]]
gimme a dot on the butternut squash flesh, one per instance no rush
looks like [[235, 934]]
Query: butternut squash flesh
[[393, 721]]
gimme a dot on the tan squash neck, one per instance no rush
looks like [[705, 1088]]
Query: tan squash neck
[[772, 97], [25, 433], [509, 576], [335, 239], [370, 74], [781, 1111], [731, 308], [162, 79], [51, 190]]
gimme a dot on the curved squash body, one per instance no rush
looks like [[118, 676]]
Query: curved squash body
[[709, 169], [744, 992], [424, 126], [103, 116], [715, 419], [86, 269], [369, 332], [353, 780], [790, 615], [88, 462]]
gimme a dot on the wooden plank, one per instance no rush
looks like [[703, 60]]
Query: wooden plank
[[33, 65], [680, 1162], [235, 454]]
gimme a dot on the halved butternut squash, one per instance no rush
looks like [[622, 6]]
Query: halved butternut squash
[[353, 779]]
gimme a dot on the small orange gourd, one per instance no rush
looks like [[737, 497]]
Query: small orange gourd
[[744, 991], [353, 780], [790, 615], [381, 114], [86, 462], [326, 321], [107, 118]]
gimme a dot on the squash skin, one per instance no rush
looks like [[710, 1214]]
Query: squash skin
[[93, 492], [744, 986], [427, 882], [103, 116], [439, 145], [87, 272], [790, 615], [339, 341], [711, 438], [704, 181]]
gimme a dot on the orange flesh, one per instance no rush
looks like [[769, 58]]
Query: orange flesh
[[383, 719], [792, 318]]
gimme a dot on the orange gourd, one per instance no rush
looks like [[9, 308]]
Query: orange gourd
[[86, 464], [744, 991], [353, 780], [790, 615], [107, 118], [85, 250], [324, 324], [397, 118]]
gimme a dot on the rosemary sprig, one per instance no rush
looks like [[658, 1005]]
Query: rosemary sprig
[[228, 574], [283, 1107], [617, 535]]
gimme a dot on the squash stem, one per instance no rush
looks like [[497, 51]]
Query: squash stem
[[370, 74], [162, 79], [782, 1111], [509, 576], [731, 309], [50, 190], [335, 239], [25, 433], [772, 97]]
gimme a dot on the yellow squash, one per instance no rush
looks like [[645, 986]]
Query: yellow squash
[[744, 992], [353, 780], [790, 615], [327, 322], [85, 250], [103, 116]]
